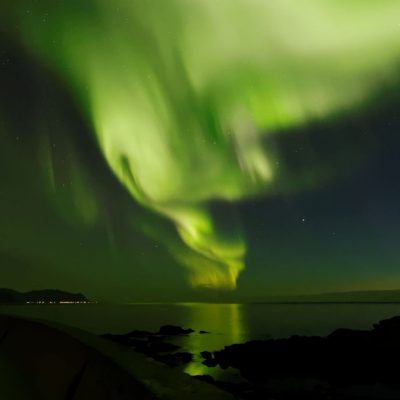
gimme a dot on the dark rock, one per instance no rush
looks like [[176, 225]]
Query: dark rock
[[151, 348], [162, 347], [139, 334], [56, 362], [346, 364], [172, 330], [388, 324], [388, 331], [175, 359], [241, 390], [120, 339], [342, 358], [206, 355], [150, 345], [205, 378], [210, 362]]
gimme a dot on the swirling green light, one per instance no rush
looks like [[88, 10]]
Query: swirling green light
[[182, 93]]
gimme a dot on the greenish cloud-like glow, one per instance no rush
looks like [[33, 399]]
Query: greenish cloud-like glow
[[182, 95]]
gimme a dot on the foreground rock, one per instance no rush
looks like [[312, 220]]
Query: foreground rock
[[38, 362], [172, 330], [47, 361], [347, 364]]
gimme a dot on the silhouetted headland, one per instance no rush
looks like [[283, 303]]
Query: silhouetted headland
[[46, 296]]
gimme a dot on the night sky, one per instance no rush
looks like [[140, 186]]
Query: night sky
[[199, 150]]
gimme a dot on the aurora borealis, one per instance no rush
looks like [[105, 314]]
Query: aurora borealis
[[250, 142]]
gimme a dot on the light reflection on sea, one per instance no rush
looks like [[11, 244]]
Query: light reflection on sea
[[226, 323]]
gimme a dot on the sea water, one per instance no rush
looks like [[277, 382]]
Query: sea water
[[225, 323]]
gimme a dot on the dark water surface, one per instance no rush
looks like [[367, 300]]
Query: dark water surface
[[227, 323]]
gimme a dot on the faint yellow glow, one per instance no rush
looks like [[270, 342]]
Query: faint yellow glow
[[225, 324]]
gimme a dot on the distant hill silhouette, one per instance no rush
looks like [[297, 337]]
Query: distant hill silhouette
[[367, 296], [10, 296]]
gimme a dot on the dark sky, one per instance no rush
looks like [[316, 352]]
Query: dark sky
[[327, 220]]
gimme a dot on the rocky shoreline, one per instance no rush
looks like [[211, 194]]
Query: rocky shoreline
[[45, 360], [154, 345], [347, 364]]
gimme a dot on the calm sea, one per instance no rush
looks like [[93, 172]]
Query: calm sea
[[227, 323]]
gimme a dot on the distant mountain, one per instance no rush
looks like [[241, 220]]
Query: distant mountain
[[10, 296], [367, 296]]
